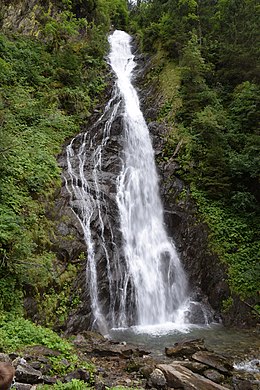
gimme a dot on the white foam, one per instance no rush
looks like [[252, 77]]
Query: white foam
[[248, 365]]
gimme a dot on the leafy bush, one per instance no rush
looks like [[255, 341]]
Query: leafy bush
[[17, 333], [75, 384], [44, 96], [234, 237]]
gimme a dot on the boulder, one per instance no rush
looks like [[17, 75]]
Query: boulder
[[185, 348], [214, 360], [113, 350], [49, 380], [197, 367], [42, 364], [158, 379], [80, 374], [26, 374], [214, 375], [181, 377]]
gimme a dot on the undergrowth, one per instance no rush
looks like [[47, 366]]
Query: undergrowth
[[17, 334], [48, 88]]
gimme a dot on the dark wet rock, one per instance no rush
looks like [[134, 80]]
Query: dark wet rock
[[42, 365], [214, 360], [157, 379], [30, 307], [95, 344], [93, 336], [214, 375], [26, 374], [113, 350], [82, 319], [49, 380], [38, 361], [80, 374], [199, 313], [151, 114], [196, 367], [185, 348], [179, 377]]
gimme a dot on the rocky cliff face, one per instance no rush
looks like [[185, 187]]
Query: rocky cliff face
[[181, 219], [208, 277], [25, 16], [29, 16], [104, 220]]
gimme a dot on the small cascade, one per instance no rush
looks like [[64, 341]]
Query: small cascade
[[133, 273]]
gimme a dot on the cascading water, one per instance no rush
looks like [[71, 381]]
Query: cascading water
[[133, 272], [152, 262]]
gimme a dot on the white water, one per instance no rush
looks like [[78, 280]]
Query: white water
[[144, 282], [248, 365], [153, 265]]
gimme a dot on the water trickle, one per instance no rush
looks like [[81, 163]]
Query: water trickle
[[133, 273]]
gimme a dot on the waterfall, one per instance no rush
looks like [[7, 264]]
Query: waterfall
[[133, 273], [152, 262]]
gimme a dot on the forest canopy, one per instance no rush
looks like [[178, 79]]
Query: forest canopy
[[215, 46]]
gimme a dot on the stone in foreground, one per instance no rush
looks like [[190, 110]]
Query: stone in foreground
[[185, 348], [178, 376], [214, 360]]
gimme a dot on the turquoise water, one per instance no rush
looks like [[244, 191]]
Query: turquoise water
[[240, 345]]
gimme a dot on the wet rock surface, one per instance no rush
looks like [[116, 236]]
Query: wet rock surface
[[211, 359], [27, 374], [130, 366], [185, 348]]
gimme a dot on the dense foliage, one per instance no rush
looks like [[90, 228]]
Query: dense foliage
[[50, 80], [214, 46]]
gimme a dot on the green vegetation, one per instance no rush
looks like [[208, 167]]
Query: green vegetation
[[16, 334], [75, 384], [207, 64], [213, 112], [50, 80]]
